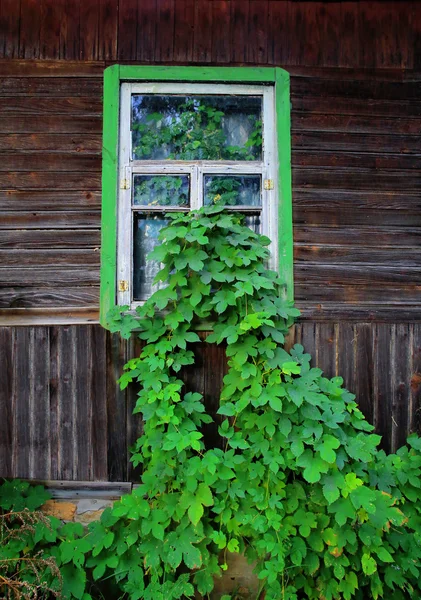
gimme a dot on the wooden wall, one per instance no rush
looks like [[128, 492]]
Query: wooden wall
[[356, 124]]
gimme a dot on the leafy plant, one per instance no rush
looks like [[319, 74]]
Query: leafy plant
[[299, 485]]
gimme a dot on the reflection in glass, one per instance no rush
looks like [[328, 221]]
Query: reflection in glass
[[146, 228], [254, 222], [161, 190], [232, 190], [196, 127]]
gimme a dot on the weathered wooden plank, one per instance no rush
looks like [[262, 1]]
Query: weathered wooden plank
[[319, 290], [355, 179], [364, 370], [50, 86], [48, 277], [54, 402], [33, 105], [7, 349], [368, 236], [63, 490], [364, 312], [240, 30], [127, 24], [116, 434], [52, 123], [107, 30], [326, 348], [257, 43], [45, 142], [221, 31], [22, 402], [415, 381], [54, 161], [346, 356], [279, 36], [33, 297], [307, 338], [39, 258], [383, 107], [89, 29], [304, 24], [355, 142], [183, 31], [341, 200], [401, 359], [35, 180], [330, 19], [348, 255], [384, 382], [212, 381], [52, 68], [49, 316], [164, 49], [50, 219], [51, 17], [97, 394], [83, 414], [40, 403], [349, 48], [70, 30], [341, 217], [354, 88], [359, 274], [146, 30], [202, 49], [46, 239], [9, 28], [28, 200], [354, 123], [351, 160], [30, 25], [67, 376]]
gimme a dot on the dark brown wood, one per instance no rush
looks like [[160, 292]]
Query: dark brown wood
[[38, 297], [49, 277], [37, 161], [7, 347], [355, 124], [38, 258], [164, 49], [10, 11], [146, 30], [184, 31], [70, 30], [107, 30], [86, 125], [127, 25], [240, 33], [257, 41], [28, 200], [89, 29], [47, 239], [97, 391], [32, 105], [23, 402], [221, 31], [50, 86], [51, 16], [202, 49], [368, 236], [364, 369], [65, 143], [40, 364], [29, 39], [356, 142], [56, 180]]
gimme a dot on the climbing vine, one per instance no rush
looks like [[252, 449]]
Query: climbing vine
[[298, 485]]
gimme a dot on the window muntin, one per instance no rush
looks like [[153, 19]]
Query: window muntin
[[158, 168]]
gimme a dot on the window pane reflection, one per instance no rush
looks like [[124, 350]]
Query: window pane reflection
[[196, 127], [161, 190], [146, 228], [229, 190]]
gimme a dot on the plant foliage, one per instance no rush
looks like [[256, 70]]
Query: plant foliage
[[299, 485]]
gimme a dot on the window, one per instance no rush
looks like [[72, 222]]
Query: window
[[177, 138]]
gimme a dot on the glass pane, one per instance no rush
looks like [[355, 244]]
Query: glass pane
[[232, 190], [196, 127], [161, 190], [145, 237], [254, 222]]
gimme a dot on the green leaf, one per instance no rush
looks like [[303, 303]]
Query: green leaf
[[195, 512]]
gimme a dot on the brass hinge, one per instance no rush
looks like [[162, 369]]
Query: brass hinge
[[124, 184], [123, 285], [268, 184]]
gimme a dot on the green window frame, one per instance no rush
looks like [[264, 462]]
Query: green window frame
[[114, 76]]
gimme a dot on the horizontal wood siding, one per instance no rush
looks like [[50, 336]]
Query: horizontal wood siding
[[356, 188], [64, 416], [372, 34]]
